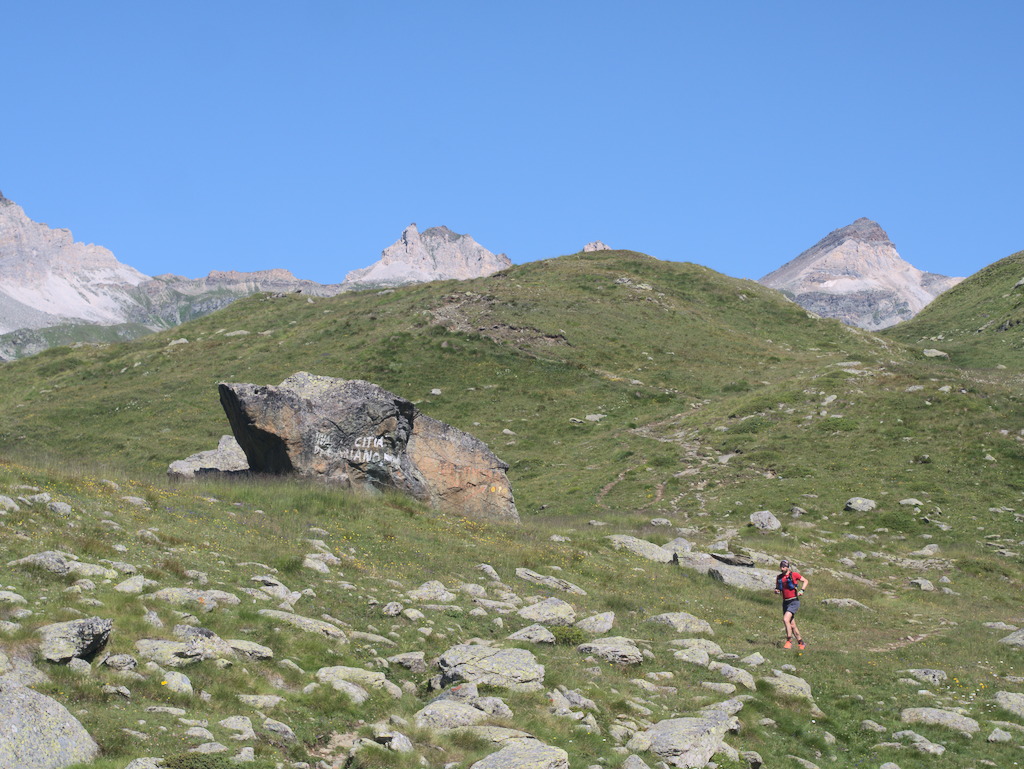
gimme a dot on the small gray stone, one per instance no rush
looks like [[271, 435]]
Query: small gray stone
[[860, 505]]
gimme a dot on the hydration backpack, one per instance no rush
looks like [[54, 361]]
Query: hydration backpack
[[790, 584]]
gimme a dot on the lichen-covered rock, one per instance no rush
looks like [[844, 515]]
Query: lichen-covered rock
[[37, 732], [186, 595], [535, 634], [681, 622], [743, 577], [939, 717], [860, 505], [169, 654], [843, 603], [641, 547], [555, 583], [614, 649], [79, 638], [765, 521], [307, 624], [1011, 701], [598, 623], [445, 715], [691, 741], [551, 611], [356, 434], [525, 754], [515, 669]]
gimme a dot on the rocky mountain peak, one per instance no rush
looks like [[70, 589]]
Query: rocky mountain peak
[[856, 275], [437, 253]]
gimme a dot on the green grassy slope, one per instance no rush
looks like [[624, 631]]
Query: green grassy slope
[[979, 321], [720, 398], [686, 365]]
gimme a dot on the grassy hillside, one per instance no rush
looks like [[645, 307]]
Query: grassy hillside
[[719, 398], [979, 322]]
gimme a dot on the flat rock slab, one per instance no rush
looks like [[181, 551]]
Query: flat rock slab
[[843, 603], [1014, 639], [547, 581], [446, 715], [1011, 701], [357, 434], [525, 754], [939, 717], [307, 624], [641, 547], [515, 669], [37, 732], [682, 622], [743, 578], [183, 595]]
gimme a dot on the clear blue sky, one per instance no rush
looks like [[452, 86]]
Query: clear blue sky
[[194, 136]]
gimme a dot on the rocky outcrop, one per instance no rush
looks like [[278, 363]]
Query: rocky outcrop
[[436, 254], [356, 434], [856, 275]]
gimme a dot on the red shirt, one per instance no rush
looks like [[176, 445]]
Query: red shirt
[[783, 582]]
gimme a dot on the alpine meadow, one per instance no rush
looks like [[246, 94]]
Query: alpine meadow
[[647, 411]]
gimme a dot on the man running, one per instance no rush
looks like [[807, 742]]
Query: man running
[[785, 583]]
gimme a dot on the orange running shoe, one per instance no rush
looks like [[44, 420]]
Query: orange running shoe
[[788, 644], [801, 645]]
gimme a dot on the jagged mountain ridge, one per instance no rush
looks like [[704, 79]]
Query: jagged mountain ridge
[[435, 254], [855, 274], [54, 290]]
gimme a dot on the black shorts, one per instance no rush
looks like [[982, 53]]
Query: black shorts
[[790, 605]]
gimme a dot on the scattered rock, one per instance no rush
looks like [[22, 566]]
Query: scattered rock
[[860, 505], [640, 547], [614, 649], [939, 717], [765, 521]]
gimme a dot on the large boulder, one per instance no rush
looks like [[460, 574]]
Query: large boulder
[[359, 435], [37, 732]]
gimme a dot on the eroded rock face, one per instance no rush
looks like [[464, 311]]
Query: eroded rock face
[[359, 435]]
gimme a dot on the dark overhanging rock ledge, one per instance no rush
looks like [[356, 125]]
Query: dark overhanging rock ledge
[[358, 435]]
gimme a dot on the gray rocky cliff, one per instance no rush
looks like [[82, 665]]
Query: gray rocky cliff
[[435, 254], [856, 275]]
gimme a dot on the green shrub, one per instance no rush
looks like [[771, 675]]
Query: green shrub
[[568, 636]]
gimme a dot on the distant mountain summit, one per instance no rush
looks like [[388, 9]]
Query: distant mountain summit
[[856, 275], [46, 278], [435, 254]]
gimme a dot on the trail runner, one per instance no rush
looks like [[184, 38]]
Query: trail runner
[[786, 584]]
